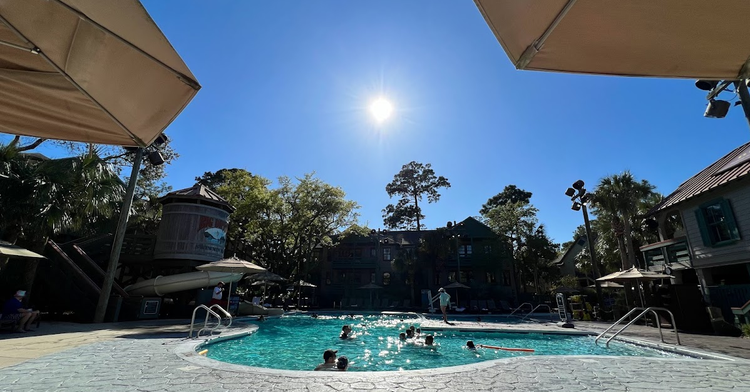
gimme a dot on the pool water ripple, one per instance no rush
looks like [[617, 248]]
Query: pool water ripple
[[298, 342]]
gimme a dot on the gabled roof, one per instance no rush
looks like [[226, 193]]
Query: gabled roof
[[731, 167], [199, 192]]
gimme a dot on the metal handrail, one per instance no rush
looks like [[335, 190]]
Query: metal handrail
[[644, 312], [537, 307], [226, 313], [209, 312], [521, 306]]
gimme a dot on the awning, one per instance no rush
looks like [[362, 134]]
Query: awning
[[695, 39]]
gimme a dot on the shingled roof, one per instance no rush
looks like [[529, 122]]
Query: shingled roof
[[732, 167], [199, 192]]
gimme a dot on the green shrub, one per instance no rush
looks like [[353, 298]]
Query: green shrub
[[746, 330]]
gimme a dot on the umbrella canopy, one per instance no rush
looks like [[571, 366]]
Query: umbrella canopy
[[232, 264], [667, 38], [88, 71], [456, 285], [265, 276], [302, 283], [634, 274], [9, 250], [263, 283], [608, 285]]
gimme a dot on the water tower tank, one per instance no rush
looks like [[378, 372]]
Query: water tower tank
[[193, 225]]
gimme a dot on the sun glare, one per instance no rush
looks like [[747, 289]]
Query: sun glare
[[381, 109]]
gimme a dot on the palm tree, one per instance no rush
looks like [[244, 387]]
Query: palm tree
[[42, 197], [618, 197]]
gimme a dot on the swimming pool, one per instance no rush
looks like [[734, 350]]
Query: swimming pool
[[298, 342]]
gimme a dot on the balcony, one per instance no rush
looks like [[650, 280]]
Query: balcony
[[673, 254]]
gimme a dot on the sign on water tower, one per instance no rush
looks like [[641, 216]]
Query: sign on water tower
[[193, 225]]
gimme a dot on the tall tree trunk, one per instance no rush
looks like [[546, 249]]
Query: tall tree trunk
[[629, 241], [619, 231], [418, 212]]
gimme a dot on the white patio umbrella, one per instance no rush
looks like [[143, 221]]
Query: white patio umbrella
[[232, 265], [634, 274], [9, 250]]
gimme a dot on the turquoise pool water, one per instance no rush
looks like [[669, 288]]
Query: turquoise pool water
[[298, 342]]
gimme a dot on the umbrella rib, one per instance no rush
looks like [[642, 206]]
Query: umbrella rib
[[67, 77], [536, 46], [185, 79], [14, 46]]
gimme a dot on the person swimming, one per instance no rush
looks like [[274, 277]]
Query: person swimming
[[429, 340], [346, 330], [470, 345], [402, 336]]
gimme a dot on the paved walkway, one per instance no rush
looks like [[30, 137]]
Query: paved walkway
[[130, 357]]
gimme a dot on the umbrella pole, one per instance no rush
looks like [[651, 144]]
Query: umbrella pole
[[114, 256]]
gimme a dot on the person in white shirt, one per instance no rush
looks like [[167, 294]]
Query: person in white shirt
[[445, 299], [217, 294]]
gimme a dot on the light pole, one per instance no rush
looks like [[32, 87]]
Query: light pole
[[579, 197]]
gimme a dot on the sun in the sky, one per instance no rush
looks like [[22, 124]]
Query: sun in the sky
[[381, 109]]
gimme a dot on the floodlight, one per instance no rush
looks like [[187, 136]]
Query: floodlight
[[717, 109], [706, 85], [576, 206], [578, 184], [570, 192]]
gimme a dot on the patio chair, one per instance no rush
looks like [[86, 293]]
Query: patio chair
[[491, 305], [9, 323], [394, 304], [474, 306], [482, 306]]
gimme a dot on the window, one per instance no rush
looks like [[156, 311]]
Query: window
[[506, 278], [451, 277], [464, 250], [491, 277], [387, 254], [716, 223], [386, 278], [373, 252]]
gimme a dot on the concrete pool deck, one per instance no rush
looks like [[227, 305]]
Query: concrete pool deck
[[143, 356]]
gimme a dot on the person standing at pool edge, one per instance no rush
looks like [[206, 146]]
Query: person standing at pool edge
[[444, 301], [217, 294]]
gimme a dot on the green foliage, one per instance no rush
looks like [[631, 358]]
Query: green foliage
[[355, 231], [510, 194], [281, 227], [412, 183], [45, 197], [746, 330], [623, 201], [513, 221], [569, 281]]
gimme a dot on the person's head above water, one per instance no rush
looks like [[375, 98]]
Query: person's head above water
[[329, 356], [429, 340], [402, 336], [409, 333], [342, 363], [470, 344]]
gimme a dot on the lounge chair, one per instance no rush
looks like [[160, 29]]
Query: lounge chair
[[407, 304], [491, 305], [394, 305], [474, 306], [344, 303], [482, 306]]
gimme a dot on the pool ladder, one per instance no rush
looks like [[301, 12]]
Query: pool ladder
[[214, 310], [645, 311]]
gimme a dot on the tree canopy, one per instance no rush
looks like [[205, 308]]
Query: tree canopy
[[280, 228], [412, 183], [510, 194]]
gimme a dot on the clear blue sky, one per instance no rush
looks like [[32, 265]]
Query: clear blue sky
[[286, 87]]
